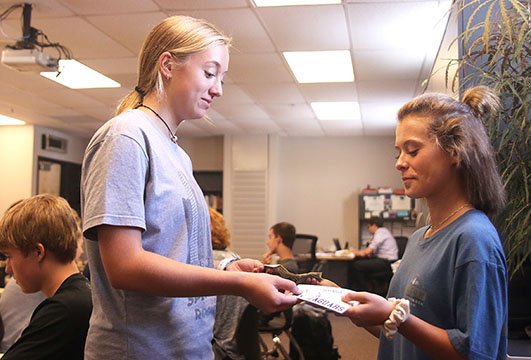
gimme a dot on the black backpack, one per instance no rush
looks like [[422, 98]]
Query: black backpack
[[313, 332]]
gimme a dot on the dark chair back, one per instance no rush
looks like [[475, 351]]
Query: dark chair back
[[401, 242], [305, 244]]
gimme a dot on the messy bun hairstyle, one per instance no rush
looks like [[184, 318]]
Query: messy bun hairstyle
[[457, 127]]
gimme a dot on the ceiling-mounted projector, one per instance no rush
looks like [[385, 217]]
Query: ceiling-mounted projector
[[29, 60]]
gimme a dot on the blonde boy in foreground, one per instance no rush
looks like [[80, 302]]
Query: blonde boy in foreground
[[39, 238]]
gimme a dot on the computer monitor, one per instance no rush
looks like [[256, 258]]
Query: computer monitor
[[336, 243]]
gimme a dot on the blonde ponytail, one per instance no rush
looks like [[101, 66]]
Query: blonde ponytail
[[181, 36]]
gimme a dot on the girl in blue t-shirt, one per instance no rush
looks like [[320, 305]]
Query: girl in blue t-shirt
[[448, 298]]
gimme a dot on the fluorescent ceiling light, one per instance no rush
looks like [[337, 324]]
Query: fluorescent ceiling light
[[75, 75], [339, 110], [320, 66], [6, 120], [267, 3]]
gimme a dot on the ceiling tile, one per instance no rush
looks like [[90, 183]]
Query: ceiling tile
[[329, 92], [111, 96], [199, 4], [274, 92], [402, 25], [101, 112], [243, 111], [232, 95], [335, 125], [40, 9], [288, 111], [110, 66], [392, 90], [257, 126], [387, 65], [93, 7], [258, 68], [298, 28], [305, 132], [191, 128], [83, 39], [129, 30], [242, 25]]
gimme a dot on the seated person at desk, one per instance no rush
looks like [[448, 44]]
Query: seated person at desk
[[39, 237], [280, 242], [377, 257]]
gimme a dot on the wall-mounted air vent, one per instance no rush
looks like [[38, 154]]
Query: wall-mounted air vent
[[54, 143]]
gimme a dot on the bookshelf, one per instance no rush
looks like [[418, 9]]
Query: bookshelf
[[211, 182], [397, 211]]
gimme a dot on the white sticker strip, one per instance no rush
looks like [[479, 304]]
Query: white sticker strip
[[325, 296]]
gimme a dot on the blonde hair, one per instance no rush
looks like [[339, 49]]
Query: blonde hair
[[45, 219], [182, 36], [458, 129], [219, 231]]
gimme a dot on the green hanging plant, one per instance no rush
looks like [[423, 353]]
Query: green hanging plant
[[496, 52]]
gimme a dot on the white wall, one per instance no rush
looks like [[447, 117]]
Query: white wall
[[206, 153], [20, 147], [16, 164], [319, 180]]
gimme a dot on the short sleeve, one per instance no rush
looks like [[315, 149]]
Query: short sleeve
[[479, 296], [115, 173]]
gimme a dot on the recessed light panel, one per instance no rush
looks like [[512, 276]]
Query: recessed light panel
[[339, 110], [75, 75], [6, 120], [267, 3], [320, 66]]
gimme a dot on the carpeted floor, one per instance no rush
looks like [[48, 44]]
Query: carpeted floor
[[352, 342]]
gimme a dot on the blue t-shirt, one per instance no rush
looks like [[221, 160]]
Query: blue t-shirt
[[455, 280]]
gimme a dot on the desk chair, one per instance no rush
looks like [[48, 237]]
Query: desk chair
[[305, 244], [380, 280], [275, 325]]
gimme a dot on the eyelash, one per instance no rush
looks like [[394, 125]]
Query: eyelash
[[209, 74], [412, 153]]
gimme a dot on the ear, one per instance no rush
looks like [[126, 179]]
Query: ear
[[41, 252], [166, 65]]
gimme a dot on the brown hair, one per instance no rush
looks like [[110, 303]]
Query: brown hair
[[376, 220], [45, 219], [458, 129], [286, 231], [182, 36], [220, 233]]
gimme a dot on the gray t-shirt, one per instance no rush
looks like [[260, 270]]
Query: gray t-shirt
[[133, 175]]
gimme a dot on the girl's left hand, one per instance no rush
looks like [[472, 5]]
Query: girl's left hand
[[372, 309], [247, 265]]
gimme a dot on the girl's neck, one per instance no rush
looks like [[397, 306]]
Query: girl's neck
[[163, 110]]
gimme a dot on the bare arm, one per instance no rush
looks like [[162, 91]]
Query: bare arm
[[128, 266], [372, 312], [367, 252]]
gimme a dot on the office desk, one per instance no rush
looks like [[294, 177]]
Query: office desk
[[334, 267]]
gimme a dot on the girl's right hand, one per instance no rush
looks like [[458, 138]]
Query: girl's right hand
[[371, 310]]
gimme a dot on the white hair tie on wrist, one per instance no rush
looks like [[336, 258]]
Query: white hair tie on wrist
[[397, 317]]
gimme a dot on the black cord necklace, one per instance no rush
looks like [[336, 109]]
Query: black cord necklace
[[173, 138]]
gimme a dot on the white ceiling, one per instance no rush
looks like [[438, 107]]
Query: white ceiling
[[393, 45]]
